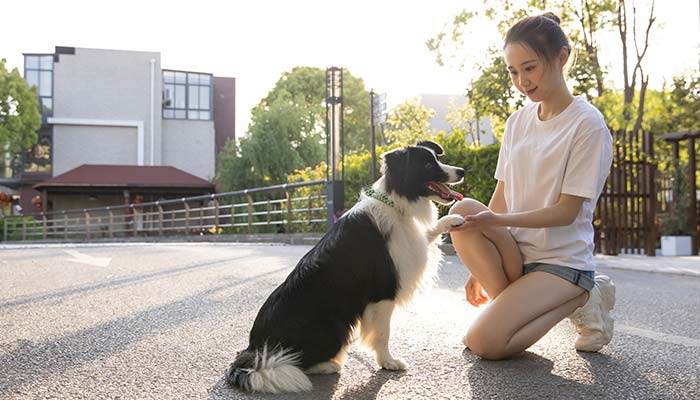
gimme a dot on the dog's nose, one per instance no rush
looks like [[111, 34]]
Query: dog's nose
[[460, 172]]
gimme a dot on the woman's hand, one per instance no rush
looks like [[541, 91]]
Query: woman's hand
[[476, 295], [477, 221]]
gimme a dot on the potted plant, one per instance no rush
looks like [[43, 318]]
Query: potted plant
[[676, 239]]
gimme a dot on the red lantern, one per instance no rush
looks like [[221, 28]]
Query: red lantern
[[5, 198], [36, 201]]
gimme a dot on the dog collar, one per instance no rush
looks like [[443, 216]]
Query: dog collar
[[381, 196]]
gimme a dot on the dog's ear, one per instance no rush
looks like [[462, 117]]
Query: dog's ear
[[393, 168], [392, 157], [432, 146]]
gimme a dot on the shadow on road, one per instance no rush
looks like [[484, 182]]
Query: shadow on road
[[115, 283], [29, 362], [530, 376]]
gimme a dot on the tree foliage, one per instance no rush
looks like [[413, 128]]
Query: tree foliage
[[584, 20], [408, 123], [287, 130], [20, 118], [492, 94]]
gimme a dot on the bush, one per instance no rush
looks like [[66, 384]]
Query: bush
[[675, 221], [479, 165], [14, 227]]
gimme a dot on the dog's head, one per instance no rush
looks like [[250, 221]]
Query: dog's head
[[414, 172]]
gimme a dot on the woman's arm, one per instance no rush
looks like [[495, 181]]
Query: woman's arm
[[561, 213], [498, 200]]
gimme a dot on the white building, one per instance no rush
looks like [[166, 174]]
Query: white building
[[121, 108]]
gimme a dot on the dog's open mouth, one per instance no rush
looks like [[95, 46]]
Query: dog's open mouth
[[444, 191]]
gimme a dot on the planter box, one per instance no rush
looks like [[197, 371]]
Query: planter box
[[676, 245]]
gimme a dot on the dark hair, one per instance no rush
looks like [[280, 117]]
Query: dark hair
[[541, 33]]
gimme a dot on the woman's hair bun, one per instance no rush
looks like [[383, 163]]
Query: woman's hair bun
[[551, 16]]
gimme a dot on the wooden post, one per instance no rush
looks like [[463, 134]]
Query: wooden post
[[268, 211], [187, 217], [65, 226], [134, 228], [24, 229], [650, 173], [289, 210], [693, 214], [87, 224], [43, 217], [160, 219], [201, 215], [4, 229], [111, 222], [216, 216], [250, 213]]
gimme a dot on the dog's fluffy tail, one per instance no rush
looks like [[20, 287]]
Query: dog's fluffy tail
[[268, 371]]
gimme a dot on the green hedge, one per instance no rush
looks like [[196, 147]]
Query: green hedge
[[14, 227], [479, 165]]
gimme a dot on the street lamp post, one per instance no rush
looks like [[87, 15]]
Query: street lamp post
[[335, 146]]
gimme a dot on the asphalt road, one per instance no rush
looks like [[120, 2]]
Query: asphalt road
[[163, 321]]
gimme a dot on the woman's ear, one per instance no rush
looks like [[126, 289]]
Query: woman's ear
[[564, 54]]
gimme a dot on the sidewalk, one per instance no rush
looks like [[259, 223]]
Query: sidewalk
[[687, 265]]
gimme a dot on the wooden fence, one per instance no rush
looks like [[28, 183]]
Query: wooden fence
[[625, 217], [282, 208]]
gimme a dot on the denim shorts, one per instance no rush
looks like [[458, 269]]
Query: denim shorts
[[583, 279]]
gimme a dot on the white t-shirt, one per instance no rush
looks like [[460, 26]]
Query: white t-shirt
[[570, 153]]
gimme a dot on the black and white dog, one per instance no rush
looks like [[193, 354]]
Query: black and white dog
[[372, 259]]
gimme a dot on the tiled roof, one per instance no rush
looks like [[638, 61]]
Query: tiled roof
[[125, 176]]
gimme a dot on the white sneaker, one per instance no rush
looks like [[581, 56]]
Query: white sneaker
[[592, 321]]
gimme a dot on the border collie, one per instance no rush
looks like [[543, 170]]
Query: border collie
[[372, 259]]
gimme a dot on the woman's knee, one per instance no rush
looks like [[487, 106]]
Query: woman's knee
[[467, 206], [486, 345]]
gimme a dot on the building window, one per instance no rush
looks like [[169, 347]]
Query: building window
[[38, 71], [187, 95]]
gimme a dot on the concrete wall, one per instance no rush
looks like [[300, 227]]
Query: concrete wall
[[109, 85], [189, 146], [103, 87], [74, 146]]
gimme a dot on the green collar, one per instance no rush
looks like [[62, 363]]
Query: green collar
[[383, 197]]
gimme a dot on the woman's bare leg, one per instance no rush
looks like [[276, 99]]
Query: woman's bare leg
[[523, 313], [491, 255], [523, 310]]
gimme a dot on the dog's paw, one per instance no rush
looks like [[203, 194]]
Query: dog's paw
[[324, 368], [393, 364], [450, 221]]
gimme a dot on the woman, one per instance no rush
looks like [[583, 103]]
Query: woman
[[531, 249]]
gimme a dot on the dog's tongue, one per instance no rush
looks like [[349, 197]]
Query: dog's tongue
[[445, 190]]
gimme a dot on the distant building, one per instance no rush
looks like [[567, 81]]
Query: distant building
[[120, 108], [442, 104]]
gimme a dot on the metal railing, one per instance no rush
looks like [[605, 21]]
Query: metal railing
[[295, 207]]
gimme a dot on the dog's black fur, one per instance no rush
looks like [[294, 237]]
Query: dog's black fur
[[310, 317]]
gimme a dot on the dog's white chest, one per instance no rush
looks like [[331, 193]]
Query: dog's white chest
[[409, 250]]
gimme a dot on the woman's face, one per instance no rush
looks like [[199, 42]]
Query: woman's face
[[530, 74]]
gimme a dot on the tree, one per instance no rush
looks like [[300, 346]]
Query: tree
[[630, 81], [287, 130], [684, 103], [586, 19], [20, 118], [492, 94], [408, 123]]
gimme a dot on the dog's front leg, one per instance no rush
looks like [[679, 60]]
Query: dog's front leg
[[443, 225], [374, 333]]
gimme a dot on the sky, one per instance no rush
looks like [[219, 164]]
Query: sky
[[255, 41]]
